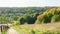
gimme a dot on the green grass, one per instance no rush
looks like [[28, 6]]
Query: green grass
[[4, 32], [21, 30], [32, 29]]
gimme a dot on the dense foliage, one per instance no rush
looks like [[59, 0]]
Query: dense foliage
[[29, 15], [52, 15]]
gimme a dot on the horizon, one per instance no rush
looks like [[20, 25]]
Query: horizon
[[29, 3]]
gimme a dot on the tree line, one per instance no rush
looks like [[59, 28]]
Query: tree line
[[29, 15]]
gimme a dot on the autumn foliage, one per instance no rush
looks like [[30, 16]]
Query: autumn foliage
[[49, 16]]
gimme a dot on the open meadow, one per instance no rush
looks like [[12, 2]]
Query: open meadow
[[50, 28]]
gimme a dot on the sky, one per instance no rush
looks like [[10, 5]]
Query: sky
[[28, 3]]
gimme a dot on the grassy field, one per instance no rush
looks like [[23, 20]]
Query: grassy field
[[0, 30], [4, 32], [50, 28]]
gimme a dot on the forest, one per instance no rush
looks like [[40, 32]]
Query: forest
[[22, 15]]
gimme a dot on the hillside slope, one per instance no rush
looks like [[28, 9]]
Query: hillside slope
[[38, 28]]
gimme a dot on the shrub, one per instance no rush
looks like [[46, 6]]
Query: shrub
[[22, 21], [30, 20], [39, 19], [47, 18], [55, 18], [16, 23]]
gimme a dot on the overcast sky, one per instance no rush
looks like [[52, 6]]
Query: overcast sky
[[28, 3]]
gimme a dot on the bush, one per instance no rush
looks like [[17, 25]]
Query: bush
[[16, 23], [22, 21], [30, 20], [55, 18], [37, 21], [47, 18]]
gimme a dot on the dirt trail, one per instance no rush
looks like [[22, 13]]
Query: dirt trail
[[11, 31]]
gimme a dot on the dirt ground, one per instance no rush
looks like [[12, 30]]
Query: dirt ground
[[11, 31]]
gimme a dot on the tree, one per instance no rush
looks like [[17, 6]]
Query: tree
[[22, 21]]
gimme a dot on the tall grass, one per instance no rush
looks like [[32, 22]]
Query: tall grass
[[22, 30]]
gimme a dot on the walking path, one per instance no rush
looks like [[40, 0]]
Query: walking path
[[11, 31]]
